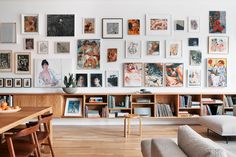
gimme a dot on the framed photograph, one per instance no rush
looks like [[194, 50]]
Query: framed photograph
[[8, 83], [88, 54], [29, 43], [153, 75], [62, 47], [112, 28], [158, 24], [194, 24], [96, 80], [217, 72], [73, 107], [179, 25], [173, 48], [112, 78], [30, 23], [17, 82], [193, 42], [8, 33], [6, 62], [89, 26], [194, 78], [22, 63], [174, 76], [195, 57], [133, 73], [81, 80], [217, 21], [112, 55], [153, 48], [133, 26], [61, 25], [43, 47], [1, 82], [26, 82], [218, 45], [133, 49]]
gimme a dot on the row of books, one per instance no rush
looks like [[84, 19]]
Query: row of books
[[211, 100], [96, 113], [163, 110], [186, 102], [117, 114], [112, 103], [212, 110], [229, 101]]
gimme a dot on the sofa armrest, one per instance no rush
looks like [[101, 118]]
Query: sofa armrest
[[146, 148]]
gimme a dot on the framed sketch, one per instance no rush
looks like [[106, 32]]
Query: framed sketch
[[179, 25], [133, 73], [61, 25], [193, 24], [153, 47], [88, 54], [194, 78], [112, 55], [89, 26], [62, 47], [195, 57], [133, 26], [112, 28], [73, 107], [174, 74], [96, 80], [1, 82], [218, 45], [22, 63], [8, 33], [43, 47], [158, 24], [217, 21], [29, 43], [173, 48], [133, 49], [193, 41], [17, 82], [26, 82], [81, 80], [30, 23], [153, 75], [112, 78], [8, 83], [217, 72], [6, 62]]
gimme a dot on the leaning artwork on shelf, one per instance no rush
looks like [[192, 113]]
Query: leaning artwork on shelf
[[96, 80], [153, 75], [6, 61], [218, 45], [73, 107], [81, 80], [133, 74], [23, 63], [112, 78], [217, 22], [195, 57], [174, 74], [194, 78]]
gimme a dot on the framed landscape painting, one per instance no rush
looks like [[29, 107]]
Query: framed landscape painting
[[73, 107], [194, 78], [6, 62], [22, 63], [112, 78], [173, 48], [194, 24], [133, 26], [112, 28], [174, 76], [89, 26], [195, 57], [133, 49], [153, 48], [133, 73], [217, 21], [218, 45], [30, 23], [153, 75]]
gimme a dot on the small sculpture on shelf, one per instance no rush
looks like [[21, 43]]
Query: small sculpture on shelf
[[70, 84]]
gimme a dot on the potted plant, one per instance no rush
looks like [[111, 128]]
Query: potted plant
[[70, 84]]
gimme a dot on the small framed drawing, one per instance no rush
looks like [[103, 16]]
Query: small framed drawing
[[81, 80], [179, 25], [6, 61], [1, 82], [29, 43], [153, 48], [43, 47], [153, 75], [17, 82], [112, 78], [217, 21], [218, 45], [174, 74], [26, 82], [8, 33], [133, 49], [195, 57], [112, 28], [89, 26], [158, 24], [193, 24], [96, 80], [62, 47], [73, 107], [8, 83], [112, 55], [194, 78], [193, 41], [173, 48], [30, 23], [22, 63], [133, 26], [133, 73]]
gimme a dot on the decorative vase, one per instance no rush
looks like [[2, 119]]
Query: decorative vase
[[70, 90]]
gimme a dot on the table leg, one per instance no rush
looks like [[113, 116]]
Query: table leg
[[140, 126], [128, 126], [125, 128]]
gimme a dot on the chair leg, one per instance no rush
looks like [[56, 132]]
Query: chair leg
[[50, 145], [227, 139]]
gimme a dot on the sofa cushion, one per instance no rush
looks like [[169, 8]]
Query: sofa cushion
[[146, 148]]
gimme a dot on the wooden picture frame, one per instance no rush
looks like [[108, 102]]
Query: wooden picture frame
[[30, 23], [17, 82], [6, 61], [26, 83], [73, 107], [8, 82], [22, 63], [112, 28]]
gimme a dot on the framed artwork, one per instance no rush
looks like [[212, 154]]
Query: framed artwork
[[62, 47], [96, 80], [6, 62], [193, 42], [8, 83], [112, 28], [112, 78], [173, 48], [30, 23], [88, 54], [153, 47], [133, 26], [29, 43], [179, 25], [194, 24], [194, 78], [17, 82], [133, 49], [112, 55], [43, 47], [174, 76], [89, 26], [1, 82], [26, 82], [81, 80], [133, 73], [218, 45], [22, 63], [195, 57], [61, 25], [153, 75], [158, 24], [73, 107], [217, 72], [217, 21], [8, 33]]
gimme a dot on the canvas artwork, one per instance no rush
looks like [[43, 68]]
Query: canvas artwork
[[217, 72], [133, 27], [22, 63], [112, 28], [17, 82], [218, 45], [112, 55], [6, 61], [89, 25], [73, 107], [193, 41], [43, 47], [81, 80], [133, 49], [179, 25], [30, 23], [27, 82], [88, 54], [174, 76], [112, 78], [153, 47], [217, 22], [173, 49], [96, 80], [8, 83], [61, 25], [195, 57], [8, 33], [153, 75], [29, 43], [133, 73], [193, 24], [62, 47], [194, 78]]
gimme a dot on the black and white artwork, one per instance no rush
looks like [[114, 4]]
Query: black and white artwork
[[179, 25], [112, 78], [5, 60], [62, 47], [195, 57], [23, 63], [81, 80], [193, 41], [96, 80], [153, 75]]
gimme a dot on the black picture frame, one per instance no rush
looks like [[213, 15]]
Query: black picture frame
[[112, 28], [17, 82], [25, 84], [1, 82], [8, 82]]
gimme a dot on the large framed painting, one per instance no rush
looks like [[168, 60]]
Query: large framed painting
[[112, 28], [133, 49], [153, 75], [195, 57], [173, 48], [6, 63], [217, 72], [89, 26], [193, 24], [88, 54], [133, 73], [8, 33], [22, 63], [61, 25], [112, 78], [133, 26], [81, 80], [96, 80], [153, 48], [30, 23], [217, 21], [174, 74], [194, 78], [218, 45], [73, 107]]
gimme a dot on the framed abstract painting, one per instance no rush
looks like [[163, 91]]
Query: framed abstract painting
[[153, 74], [133, 73], [174, 74]]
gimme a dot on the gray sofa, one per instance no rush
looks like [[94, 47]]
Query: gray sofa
[[190, 144]]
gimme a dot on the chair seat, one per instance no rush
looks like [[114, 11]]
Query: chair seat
[[42, 136]]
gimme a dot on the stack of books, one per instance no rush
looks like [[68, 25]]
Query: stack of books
[[210, 100], [93, 114], [163, 110], [229, 101], [186, 102]]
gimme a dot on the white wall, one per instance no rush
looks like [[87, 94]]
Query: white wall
[[10, 11]]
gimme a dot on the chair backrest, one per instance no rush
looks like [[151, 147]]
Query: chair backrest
[[45, 120], [27, 131]]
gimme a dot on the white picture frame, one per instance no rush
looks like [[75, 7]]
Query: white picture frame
[[218, 45], [43, 47], [133, 49], [174, 48], [89, 26], [73, 107], [193, 24], [112, 78], [194, 78], [30, 23]]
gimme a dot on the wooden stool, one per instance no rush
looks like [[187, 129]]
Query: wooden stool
[[127, 124]]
